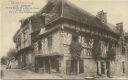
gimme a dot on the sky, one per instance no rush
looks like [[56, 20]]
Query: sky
[[117, 11]]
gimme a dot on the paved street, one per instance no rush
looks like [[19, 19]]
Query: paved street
[[25, 74]]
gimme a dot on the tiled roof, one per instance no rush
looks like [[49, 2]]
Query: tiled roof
[[65, 9]]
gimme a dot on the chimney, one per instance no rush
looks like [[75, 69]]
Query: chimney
[[119, 27], [102, 16]]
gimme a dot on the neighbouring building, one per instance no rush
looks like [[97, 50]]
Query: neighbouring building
[[126, 44], [44, 40]]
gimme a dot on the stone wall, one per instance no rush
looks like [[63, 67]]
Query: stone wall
[[90, 68]]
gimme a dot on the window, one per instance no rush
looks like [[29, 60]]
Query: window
[[90, 43], [50, 41], [39, 45], [19, 41]]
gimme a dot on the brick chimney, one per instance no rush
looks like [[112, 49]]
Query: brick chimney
[[119, 27], [102, 16]]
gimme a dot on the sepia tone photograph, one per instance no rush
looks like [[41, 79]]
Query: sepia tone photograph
[[64, 39]]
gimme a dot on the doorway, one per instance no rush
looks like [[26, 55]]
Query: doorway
[[47, 64], [74, 66], [103, 68]]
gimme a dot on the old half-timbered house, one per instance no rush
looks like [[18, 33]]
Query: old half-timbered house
[[62, 38]]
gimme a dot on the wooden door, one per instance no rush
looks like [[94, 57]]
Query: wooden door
[[103, 67], [81, 66], [47, 66], [108, 68], [71, 67]]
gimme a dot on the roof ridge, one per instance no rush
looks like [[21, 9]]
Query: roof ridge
[[81, 9], [68, 10]]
